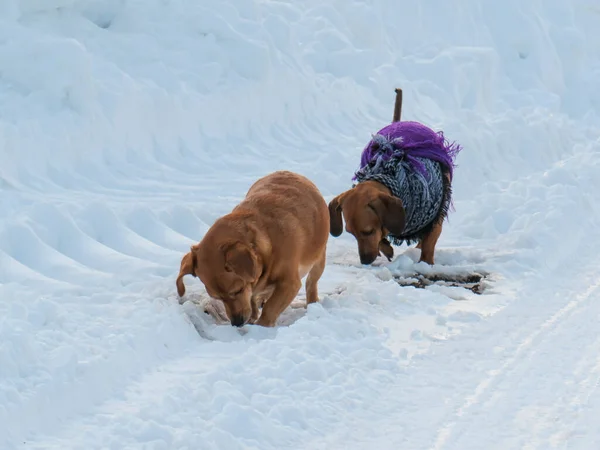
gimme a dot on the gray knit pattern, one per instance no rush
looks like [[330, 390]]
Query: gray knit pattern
[[422, 196]]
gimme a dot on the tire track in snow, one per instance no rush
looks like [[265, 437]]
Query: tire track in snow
[[580, 388], [583, 429], [526, 349]]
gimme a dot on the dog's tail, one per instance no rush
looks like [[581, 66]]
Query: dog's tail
[[397, 106], [188, 266]]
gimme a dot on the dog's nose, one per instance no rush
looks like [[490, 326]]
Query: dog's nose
[[367, 259], [238, 320]]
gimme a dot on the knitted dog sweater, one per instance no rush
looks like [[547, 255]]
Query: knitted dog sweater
[[412, 160]]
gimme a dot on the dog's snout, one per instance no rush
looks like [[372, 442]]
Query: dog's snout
[[238, 320], [367, 259]]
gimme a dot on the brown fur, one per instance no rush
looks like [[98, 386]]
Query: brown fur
[[371, 212], [257, 254]]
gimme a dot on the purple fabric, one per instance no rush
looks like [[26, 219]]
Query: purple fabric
[[410, 140]]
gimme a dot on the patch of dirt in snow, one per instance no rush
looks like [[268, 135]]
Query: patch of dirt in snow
[[475, 282]]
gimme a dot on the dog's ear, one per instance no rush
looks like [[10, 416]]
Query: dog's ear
[[391, 213], [188, 267], [336, 224], [241, 260]]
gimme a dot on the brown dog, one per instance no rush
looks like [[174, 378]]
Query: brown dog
[[258, 254]]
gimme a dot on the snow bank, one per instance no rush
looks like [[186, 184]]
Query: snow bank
[[127, 128]]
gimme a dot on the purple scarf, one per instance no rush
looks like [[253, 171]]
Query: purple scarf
[[408, 141]]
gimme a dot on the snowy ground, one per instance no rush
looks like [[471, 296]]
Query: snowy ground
[[128, 127]]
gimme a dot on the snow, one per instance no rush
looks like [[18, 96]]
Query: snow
[[127, 128]]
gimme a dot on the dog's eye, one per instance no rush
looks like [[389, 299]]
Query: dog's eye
[[236, 293], [367, 233]]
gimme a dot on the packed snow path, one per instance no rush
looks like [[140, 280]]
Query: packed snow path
[[527, 378], [127, 128]]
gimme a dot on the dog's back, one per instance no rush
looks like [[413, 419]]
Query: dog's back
[[292, 211]]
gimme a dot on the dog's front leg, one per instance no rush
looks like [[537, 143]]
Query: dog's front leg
[[258, 300], [283, 295], [255, 310]]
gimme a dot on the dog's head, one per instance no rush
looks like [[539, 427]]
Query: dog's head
[[370, 214], [228, 269]]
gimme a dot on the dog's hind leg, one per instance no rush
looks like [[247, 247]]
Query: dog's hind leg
[[428, 244], [312, 292]]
